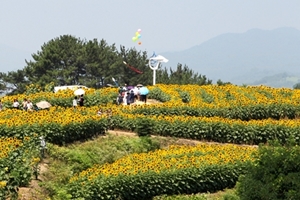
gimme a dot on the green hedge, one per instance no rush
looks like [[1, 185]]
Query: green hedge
[[256, 112], [215, 131], [57, 133], [199, 130]]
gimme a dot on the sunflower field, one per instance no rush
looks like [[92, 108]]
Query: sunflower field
[[225, 114], [178, 169]]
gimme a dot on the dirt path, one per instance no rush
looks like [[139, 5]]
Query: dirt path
[[34, 191], [180, 141]]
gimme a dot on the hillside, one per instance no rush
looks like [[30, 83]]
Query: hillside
[[244, 58]]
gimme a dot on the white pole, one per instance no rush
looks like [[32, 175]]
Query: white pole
[[154, 76]]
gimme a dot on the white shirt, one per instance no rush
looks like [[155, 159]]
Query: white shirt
[[29, 105], [16, 104], [74, 102]]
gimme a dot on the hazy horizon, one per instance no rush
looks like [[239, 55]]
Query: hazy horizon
[[176, 26]]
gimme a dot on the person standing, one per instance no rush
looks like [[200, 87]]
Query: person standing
[[43, 146], [29, 105], [75, 102], [125, 87], [132, 96], [24, 104], [128, 98], [16, 104], [81, 100], [120, 99]]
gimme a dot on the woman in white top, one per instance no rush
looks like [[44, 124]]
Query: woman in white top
[[24, 104], [29, 105], [16, 104]]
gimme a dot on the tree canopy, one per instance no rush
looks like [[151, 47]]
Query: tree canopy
[[67, 60]]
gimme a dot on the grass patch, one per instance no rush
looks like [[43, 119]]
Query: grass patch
[[65, 161]]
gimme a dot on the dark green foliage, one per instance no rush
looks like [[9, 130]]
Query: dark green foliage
[[266, 94], [296, 86], [144, 127], [217, 131], [208, 98], [182, 75], [14, 81], [147, 144], [145, 186], [67, 60], [274, 175], [185, 96], [245, 113], [136, 59], [229, 96], [158, 94], [219, 82], [62, 61]]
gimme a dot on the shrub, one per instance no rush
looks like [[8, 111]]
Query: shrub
[[185, 96], [158, 94], [274, 175], [144, 127]]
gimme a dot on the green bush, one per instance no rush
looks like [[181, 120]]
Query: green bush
[[159, 95], [147, 185], [185, 96], [274, 175], [144, 127]]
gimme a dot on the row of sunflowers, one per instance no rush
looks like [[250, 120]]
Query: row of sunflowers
[[61, 125], [178, 169], [206, 96]]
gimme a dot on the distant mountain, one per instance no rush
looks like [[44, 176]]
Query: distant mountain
[[12, 59], [245, 58]]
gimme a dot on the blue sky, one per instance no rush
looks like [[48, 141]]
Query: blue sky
[[167, 25]]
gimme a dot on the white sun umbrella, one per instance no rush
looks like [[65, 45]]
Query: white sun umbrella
[[79, 92], [43, 104]]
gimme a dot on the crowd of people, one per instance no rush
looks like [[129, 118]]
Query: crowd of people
[[26, 105], [127, 95], [130, 94]]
